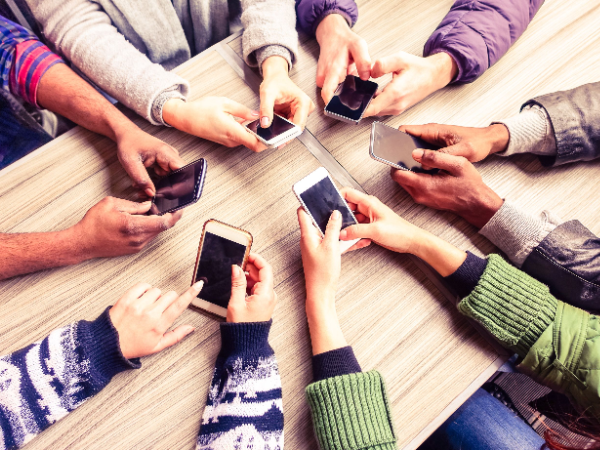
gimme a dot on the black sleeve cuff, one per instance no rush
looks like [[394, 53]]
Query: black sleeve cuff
[[467, 275], [333, 363], [100, 342], [245, 338]]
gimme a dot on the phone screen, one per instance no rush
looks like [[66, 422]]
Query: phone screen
[[179, 189], [396, 147], [322, 199], [352, 97], [216, 258], [278, 127]]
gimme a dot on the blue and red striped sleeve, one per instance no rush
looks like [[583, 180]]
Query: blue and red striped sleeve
[[23, 60]]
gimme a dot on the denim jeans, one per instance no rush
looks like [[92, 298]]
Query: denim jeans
[[483, 423]]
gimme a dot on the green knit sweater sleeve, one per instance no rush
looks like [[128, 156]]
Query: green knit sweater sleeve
[[351, 412], [514, 307]]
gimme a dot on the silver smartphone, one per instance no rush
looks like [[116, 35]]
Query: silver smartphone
[[280, 131], [394, 148], [351, 99], [319, 197]]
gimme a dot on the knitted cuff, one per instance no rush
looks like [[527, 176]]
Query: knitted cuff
[[530, 132], [516, 232], [246, 338], [273, 50], [514, 307], [333, 363], [100, 342], [159, 103], [351, 412], [467, 275]]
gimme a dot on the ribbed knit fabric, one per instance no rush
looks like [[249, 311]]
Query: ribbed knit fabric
[[334, 363], [530, 132], [514, 307], [351, 412], [467, 275]]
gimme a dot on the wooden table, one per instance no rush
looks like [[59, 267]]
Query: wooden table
[[395, 318]]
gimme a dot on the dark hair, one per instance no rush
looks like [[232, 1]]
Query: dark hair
[[583, 426]]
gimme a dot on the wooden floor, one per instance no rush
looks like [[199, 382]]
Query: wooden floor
[[395, 318]]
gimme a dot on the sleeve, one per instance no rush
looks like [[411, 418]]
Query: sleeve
[[558, 342], [333, 363], [42, 383], [82, 32], [269, 29], [352, 412], [312, 12], [476, 34], [467, 275], [574, 116], [517, 232], [244, 407]]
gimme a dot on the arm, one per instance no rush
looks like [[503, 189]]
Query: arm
[[312, 12], [359, 415], [244, 406], [477, 34]]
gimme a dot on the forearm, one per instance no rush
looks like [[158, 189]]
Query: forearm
[[64, 92], [323, 323], [444, 257]]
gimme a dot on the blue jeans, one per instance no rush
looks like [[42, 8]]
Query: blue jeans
[[483, 423]]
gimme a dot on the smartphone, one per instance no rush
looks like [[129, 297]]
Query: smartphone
[[319, 197], [280, 131], [221, 246], [394, 148], [181, 188], [350, 100]]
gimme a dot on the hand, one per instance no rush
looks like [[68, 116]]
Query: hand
[[458, 187], [378, 223], [115, 227], [342, 51], [475, 144], [138, 150], [414, 78], [258, 306], [217, 119], [143, 316], [278, 93]]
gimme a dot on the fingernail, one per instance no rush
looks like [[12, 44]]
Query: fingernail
[[149, 192], [198, 286], [418, 153], [264, 122], [237, 270], [336, 215], [254, 113], [190, 331]]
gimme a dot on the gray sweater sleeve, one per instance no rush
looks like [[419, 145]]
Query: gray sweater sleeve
[[82, 32], [269, 29]]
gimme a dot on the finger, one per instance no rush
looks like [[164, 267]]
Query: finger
[[331, 83], [361, 230], [238, 110], [139, 174], [238, 286], [363, 202], [393, 63], [309, 234], [332, 231], [362, 59], [253, 272], [239, 135], [149, 297], [173, 337], [152, 224], [431, 132], [377, 106], [135, 292], [455, 165], [129, 207], [265, 275], [405, 178], [352, 70], [173, 307], [322, 69], [360, 244], [267, 105], [304, 108], [168, 159]]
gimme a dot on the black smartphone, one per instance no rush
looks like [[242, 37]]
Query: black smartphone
[[278, 133], [350, 100], [179, 189], [394, 148]]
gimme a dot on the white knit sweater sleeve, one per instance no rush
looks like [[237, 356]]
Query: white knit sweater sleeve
[[82, 32]]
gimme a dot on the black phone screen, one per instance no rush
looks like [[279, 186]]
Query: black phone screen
[[278, 127], [396, 147], [214, 268], [322, 199], [180, 188], [352, 97]]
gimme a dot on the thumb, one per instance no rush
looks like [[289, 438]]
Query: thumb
[[359, 231], [455, 165], [129, 207], [172, 337], [139, 174], [332, 231], [238, 110], [238, 285], [267, 104]]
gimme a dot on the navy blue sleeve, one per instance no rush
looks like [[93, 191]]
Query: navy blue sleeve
[[467, 275], [333, 363]]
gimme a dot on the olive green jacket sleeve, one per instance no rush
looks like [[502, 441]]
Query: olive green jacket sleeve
[[351, 412], [559, 344]]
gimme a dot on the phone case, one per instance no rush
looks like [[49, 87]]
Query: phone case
[[281, 139], [344, 118], [198, 188]]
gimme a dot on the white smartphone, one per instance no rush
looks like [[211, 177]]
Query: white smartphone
[[280, 131], [221, 246], [351, 99], [319, 197]]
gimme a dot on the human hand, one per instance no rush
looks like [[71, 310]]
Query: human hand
[[414, 78], [143, 316], [458, 187], [378, 223], [475, 144], [342, 51], [217, 119], [279, 94], [115, 227], [258, 306], [138, 151]]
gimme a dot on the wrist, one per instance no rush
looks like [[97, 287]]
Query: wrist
[[331, 24], [76, 241], [445, 68], [274, 66], [487, 206], [172, 113], [498, 136]]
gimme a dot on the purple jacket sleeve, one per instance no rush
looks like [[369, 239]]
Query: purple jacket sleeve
[[311, 12], [476, 34]]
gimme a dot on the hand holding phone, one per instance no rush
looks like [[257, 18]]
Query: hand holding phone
[[350, 99], [179, 189], [278, 133]]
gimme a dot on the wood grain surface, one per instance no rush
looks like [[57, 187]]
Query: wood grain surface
[[393, 316]]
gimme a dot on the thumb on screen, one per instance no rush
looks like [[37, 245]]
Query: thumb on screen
[[238, 286]]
